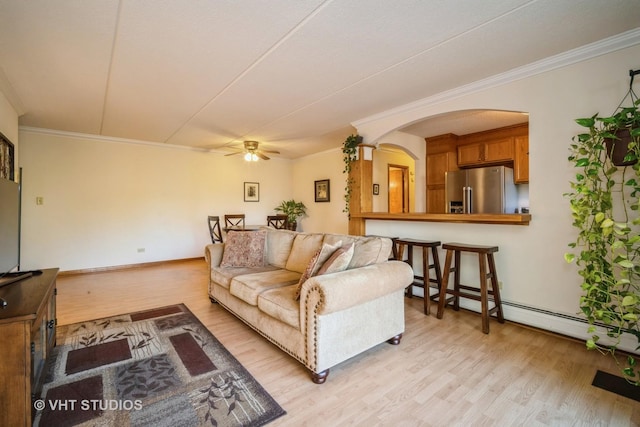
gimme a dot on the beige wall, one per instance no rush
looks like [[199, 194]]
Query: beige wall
[[105, 199], [322, 216]]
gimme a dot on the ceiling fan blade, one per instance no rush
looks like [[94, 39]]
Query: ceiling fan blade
[[261, 155], [271, 151], [233, 154]]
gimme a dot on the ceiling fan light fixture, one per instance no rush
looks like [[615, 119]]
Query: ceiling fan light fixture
[[251, 157]]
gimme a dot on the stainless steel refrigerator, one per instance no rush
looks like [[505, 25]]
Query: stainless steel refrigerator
[[481, 190]]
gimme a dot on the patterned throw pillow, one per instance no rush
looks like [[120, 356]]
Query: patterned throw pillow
[[244, 249], [338, 261], [315, 263]]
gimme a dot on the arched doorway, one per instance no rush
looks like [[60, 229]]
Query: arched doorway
[[398, 179]]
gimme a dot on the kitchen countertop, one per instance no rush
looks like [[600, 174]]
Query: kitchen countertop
[[508, 219]]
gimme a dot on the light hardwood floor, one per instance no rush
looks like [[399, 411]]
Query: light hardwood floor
[[444, 372]]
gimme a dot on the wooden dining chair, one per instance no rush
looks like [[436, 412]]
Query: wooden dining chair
[[214, 229], [234, 220], [277, 221]]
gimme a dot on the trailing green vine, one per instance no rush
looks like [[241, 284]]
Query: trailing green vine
[[604, 203], [349, 155]]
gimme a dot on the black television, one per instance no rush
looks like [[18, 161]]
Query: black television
[[10, 233]]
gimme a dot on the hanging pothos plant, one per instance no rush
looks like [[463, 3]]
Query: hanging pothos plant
[[605, 203], [349, 154]]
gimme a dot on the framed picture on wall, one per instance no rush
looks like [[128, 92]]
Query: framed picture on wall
[[251, 192], [322, 191], [6, 158]]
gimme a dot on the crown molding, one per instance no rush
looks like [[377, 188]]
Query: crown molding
[[111, 139], [611, 44]]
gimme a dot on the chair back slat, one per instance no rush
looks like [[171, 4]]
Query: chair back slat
[[277, 221], [234, 220], [214, 229]]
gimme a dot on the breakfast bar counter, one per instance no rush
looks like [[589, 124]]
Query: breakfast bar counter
[[504, 219]]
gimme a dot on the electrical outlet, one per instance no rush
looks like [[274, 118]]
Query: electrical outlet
[[141, 250], [39, 200], [500, 284]]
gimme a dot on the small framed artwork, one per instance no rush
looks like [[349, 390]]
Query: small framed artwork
[[251, 192], [6, 158], [322, 191], [376, 189]]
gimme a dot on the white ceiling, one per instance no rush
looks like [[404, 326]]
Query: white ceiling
[[293, 74]]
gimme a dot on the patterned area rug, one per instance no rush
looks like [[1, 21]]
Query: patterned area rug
[[159, 367]]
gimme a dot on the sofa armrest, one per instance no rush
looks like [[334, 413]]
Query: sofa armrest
[[339, 291], [213, 254]]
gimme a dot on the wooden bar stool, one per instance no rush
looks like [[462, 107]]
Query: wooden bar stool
[[483, 293], [426, 278]]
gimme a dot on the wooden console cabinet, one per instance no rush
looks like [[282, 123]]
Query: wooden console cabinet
[[28, 334]]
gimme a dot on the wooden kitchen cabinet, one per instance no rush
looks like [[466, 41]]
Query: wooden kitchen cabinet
[[436, 199], [437, 165], [28, 335], [470, 154], [441, 158], [521, 160], [486, 153]]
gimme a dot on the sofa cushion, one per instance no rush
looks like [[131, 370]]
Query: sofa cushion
[[305, 245], [332, 239], [279, 244], [338, 261], [370, 250], [280, 304], [315, 263], [244, 249], [249, 286], [223, 275]]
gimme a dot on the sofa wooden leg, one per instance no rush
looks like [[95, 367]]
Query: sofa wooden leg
[[213, 301], [319, 377], [395, 340]]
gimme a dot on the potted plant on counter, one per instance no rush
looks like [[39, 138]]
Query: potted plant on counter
[[293, 210], [604, 203]]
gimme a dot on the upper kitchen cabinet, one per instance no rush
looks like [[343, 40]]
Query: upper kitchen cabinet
[[494, 147], [485, 153]]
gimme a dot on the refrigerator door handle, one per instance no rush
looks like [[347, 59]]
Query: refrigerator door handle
[[466, 200]]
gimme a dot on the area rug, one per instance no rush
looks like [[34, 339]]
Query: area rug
[[158, 367]]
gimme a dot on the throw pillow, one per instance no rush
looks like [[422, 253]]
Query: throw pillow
[[244, 249], [315, 263], [338, 261]]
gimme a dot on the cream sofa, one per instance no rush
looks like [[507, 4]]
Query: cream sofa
[[338, 314]]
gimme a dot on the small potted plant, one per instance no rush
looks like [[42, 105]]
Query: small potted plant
[[293, 210], [621, 133]]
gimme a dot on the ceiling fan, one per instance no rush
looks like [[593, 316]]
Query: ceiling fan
[[252, 152]]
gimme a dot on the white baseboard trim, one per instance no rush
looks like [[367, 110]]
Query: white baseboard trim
[[564, 324]]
